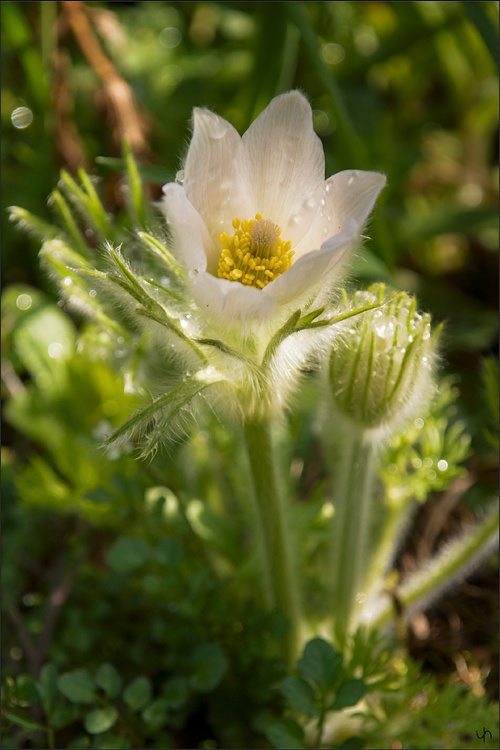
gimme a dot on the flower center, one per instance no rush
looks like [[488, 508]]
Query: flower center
[[255, 255]]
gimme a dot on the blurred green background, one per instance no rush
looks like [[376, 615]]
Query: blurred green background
[[406, 88]]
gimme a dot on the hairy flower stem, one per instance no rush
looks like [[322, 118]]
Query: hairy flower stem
[[279, 577], [456, 560], [350, 530]]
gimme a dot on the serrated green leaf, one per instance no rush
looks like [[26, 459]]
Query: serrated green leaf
[[138, 693], [285, 735], [348, 694], [127, 554], [23, 721], [208, 666], [77, 686], [320, 663], [299, 694], [108, 678], [100, 720]]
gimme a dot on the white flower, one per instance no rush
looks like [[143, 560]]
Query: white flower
[[254, 222]]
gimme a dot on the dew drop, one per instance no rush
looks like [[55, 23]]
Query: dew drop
[[24, 302], [55, 350], [179, 177], [21, 117], [384, 327]]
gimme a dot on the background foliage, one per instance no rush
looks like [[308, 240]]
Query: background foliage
[[125, 602]]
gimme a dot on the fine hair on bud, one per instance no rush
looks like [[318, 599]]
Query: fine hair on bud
[[382, 367]]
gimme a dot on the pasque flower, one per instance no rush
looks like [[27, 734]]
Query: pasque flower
[[253, 219]]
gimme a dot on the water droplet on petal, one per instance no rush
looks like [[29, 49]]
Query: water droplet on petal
[[179, 177], [384, 327]]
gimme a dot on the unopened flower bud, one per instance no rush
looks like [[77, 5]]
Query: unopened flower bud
[[381, 371]]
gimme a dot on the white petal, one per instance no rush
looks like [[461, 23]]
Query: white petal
[[214, 181], [352, 193], [311, 268], [284, 157], [230, 301], [189, 234]]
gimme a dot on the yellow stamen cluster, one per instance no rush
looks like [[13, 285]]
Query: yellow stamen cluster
[[255, 255]]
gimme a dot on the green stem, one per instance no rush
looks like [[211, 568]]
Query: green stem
[[394, 524], [279, 577], [455, 561], [350, 531]]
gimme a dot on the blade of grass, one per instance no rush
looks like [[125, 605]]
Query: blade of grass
[[354, 148]]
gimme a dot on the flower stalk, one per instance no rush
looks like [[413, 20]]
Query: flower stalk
[[351, 530], [279, 579]]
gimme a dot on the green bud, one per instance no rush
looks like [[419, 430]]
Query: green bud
[[381, 369]]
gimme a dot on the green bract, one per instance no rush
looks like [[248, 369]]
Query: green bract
[[381, 369]]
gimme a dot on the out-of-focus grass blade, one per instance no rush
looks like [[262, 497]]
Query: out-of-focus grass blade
[[137, 198], [489, 33], [31, 223], [148, 172], [447, 220], [355, 150], [70, 223], [270, 41]]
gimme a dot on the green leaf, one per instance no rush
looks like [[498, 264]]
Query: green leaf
[[488, 30], [299, 694], [182, 394], [320, 663], [138, 202], [286, 329], [138, 693], [127, 554], [23, 721], [64, 714], [32, 224], [79, 743], [77, 686], [208, 667], [169, 552], [108, 678], [176, 692], [159, 248], [286, 734], [69, 221], [100, 720], [156, 715], [26, 692], [307, 319], [348, 694]]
